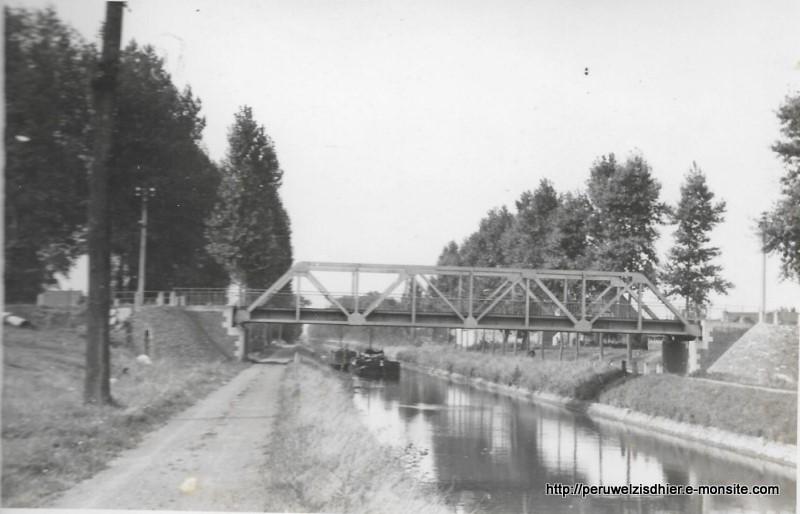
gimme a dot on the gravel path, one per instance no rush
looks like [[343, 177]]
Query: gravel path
[[209, 457]]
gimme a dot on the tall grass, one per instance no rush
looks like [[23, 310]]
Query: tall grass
[[580, 379], [321, 458], [746, 411], [51, 440]]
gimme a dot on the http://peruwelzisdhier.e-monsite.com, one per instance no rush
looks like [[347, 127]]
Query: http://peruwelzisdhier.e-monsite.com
[[583, 490]]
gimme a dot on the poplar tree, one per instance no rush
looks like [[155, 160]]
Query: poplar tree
[[249, 230], [627, 212], [781, 225], [689, 272]]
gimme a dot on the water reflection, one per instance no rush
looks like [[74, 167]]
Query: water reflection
[[495, 454]]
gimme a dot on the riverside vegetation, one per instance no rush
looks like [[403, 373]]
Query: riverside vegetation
[[752, 412], [580, 379], [323, 459]]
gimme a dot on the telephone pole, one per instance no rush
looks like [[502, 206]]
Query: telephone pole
[[145, 193], [97, 389], [762, 314]]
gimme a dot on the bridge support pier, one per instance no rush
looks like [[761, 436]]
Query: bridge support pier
[[237, 330]]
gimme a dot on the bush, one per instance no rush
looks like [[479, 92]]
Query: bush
[[575, 379]]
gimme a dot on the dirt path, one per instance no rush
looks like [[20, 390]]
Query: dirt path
[[209, 457]]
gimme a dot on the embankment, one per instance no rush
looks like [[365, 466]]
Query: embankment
[[178, 333], [758, 424], [329, 461], [52, 440]]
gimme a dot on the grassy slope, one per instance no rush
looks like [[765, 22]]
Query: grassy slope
[[765, 355], [51, 440], [326, 459], [751, 412], [175, 333], [575, 379], [745, 411]]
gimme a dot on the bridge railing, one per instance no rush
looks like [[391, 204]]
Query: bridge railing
[[399, 303], [216, 297]]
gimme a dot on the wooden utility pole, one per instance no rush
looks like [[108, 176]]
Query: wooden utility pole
[[104, 85], [762, 310]]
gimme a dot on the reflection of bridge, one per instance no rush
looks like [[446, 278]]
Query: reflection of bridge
[[469, 298]]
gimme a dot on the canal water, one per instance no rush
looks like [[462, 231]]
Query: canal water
[[490, 453]]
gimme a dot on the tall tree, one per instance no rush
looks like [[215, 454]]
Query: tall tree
[[449, 257], [47, 143], [485, 248], [249, 229], [627, 212], [689, 272], [158, 144], [781, 225], [528, 242], [571, 248]]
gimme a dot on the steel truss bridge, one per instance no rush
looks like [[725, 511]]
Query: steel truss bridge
[[468, 298]]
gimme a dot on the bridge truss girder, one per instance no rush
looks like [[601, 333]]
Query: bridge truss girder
[[473, 298]]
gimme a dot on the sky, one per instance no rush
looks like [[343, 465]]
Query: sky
[[400, 124]]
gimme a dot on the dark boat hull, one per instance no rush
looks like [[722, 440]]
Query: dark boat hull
[[378, 369]]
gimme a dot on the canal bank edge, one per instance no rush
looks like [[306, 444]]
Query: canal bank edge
[[782, 458]]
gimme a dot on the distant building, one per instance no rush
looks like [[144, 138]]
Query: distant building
[[778, 317], [59, 299]]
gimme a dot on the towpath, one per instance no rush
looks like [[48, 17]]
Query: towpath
[[210, 457]]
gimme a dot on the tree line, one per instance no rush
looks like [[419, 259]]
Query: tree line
[[612, 225], [209, 223]]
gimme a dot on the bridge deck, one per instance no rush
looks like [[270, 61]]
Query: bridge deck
[[443, 320]]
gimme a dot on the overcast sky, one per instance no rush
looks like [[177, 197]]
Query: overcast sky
[[400, 124]]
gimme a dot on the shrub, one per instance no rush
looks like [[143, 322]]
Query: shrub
[[574, 379]]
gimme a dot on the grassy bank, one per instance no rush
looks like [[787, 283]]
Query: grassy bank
[[746, 411], [51, 440], [323, 459], [575, 379]]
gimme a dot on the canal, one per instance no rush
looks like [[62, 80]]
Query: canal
[[491, 453]]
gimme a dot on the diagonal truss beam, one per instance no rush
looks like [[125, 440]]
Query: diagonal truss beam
[[274, 288], [328, 296], [500, 297], [443, 297], [643, 306], [401, 277], [663, 299], [601, 295], [617, 296], [554, 299]]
